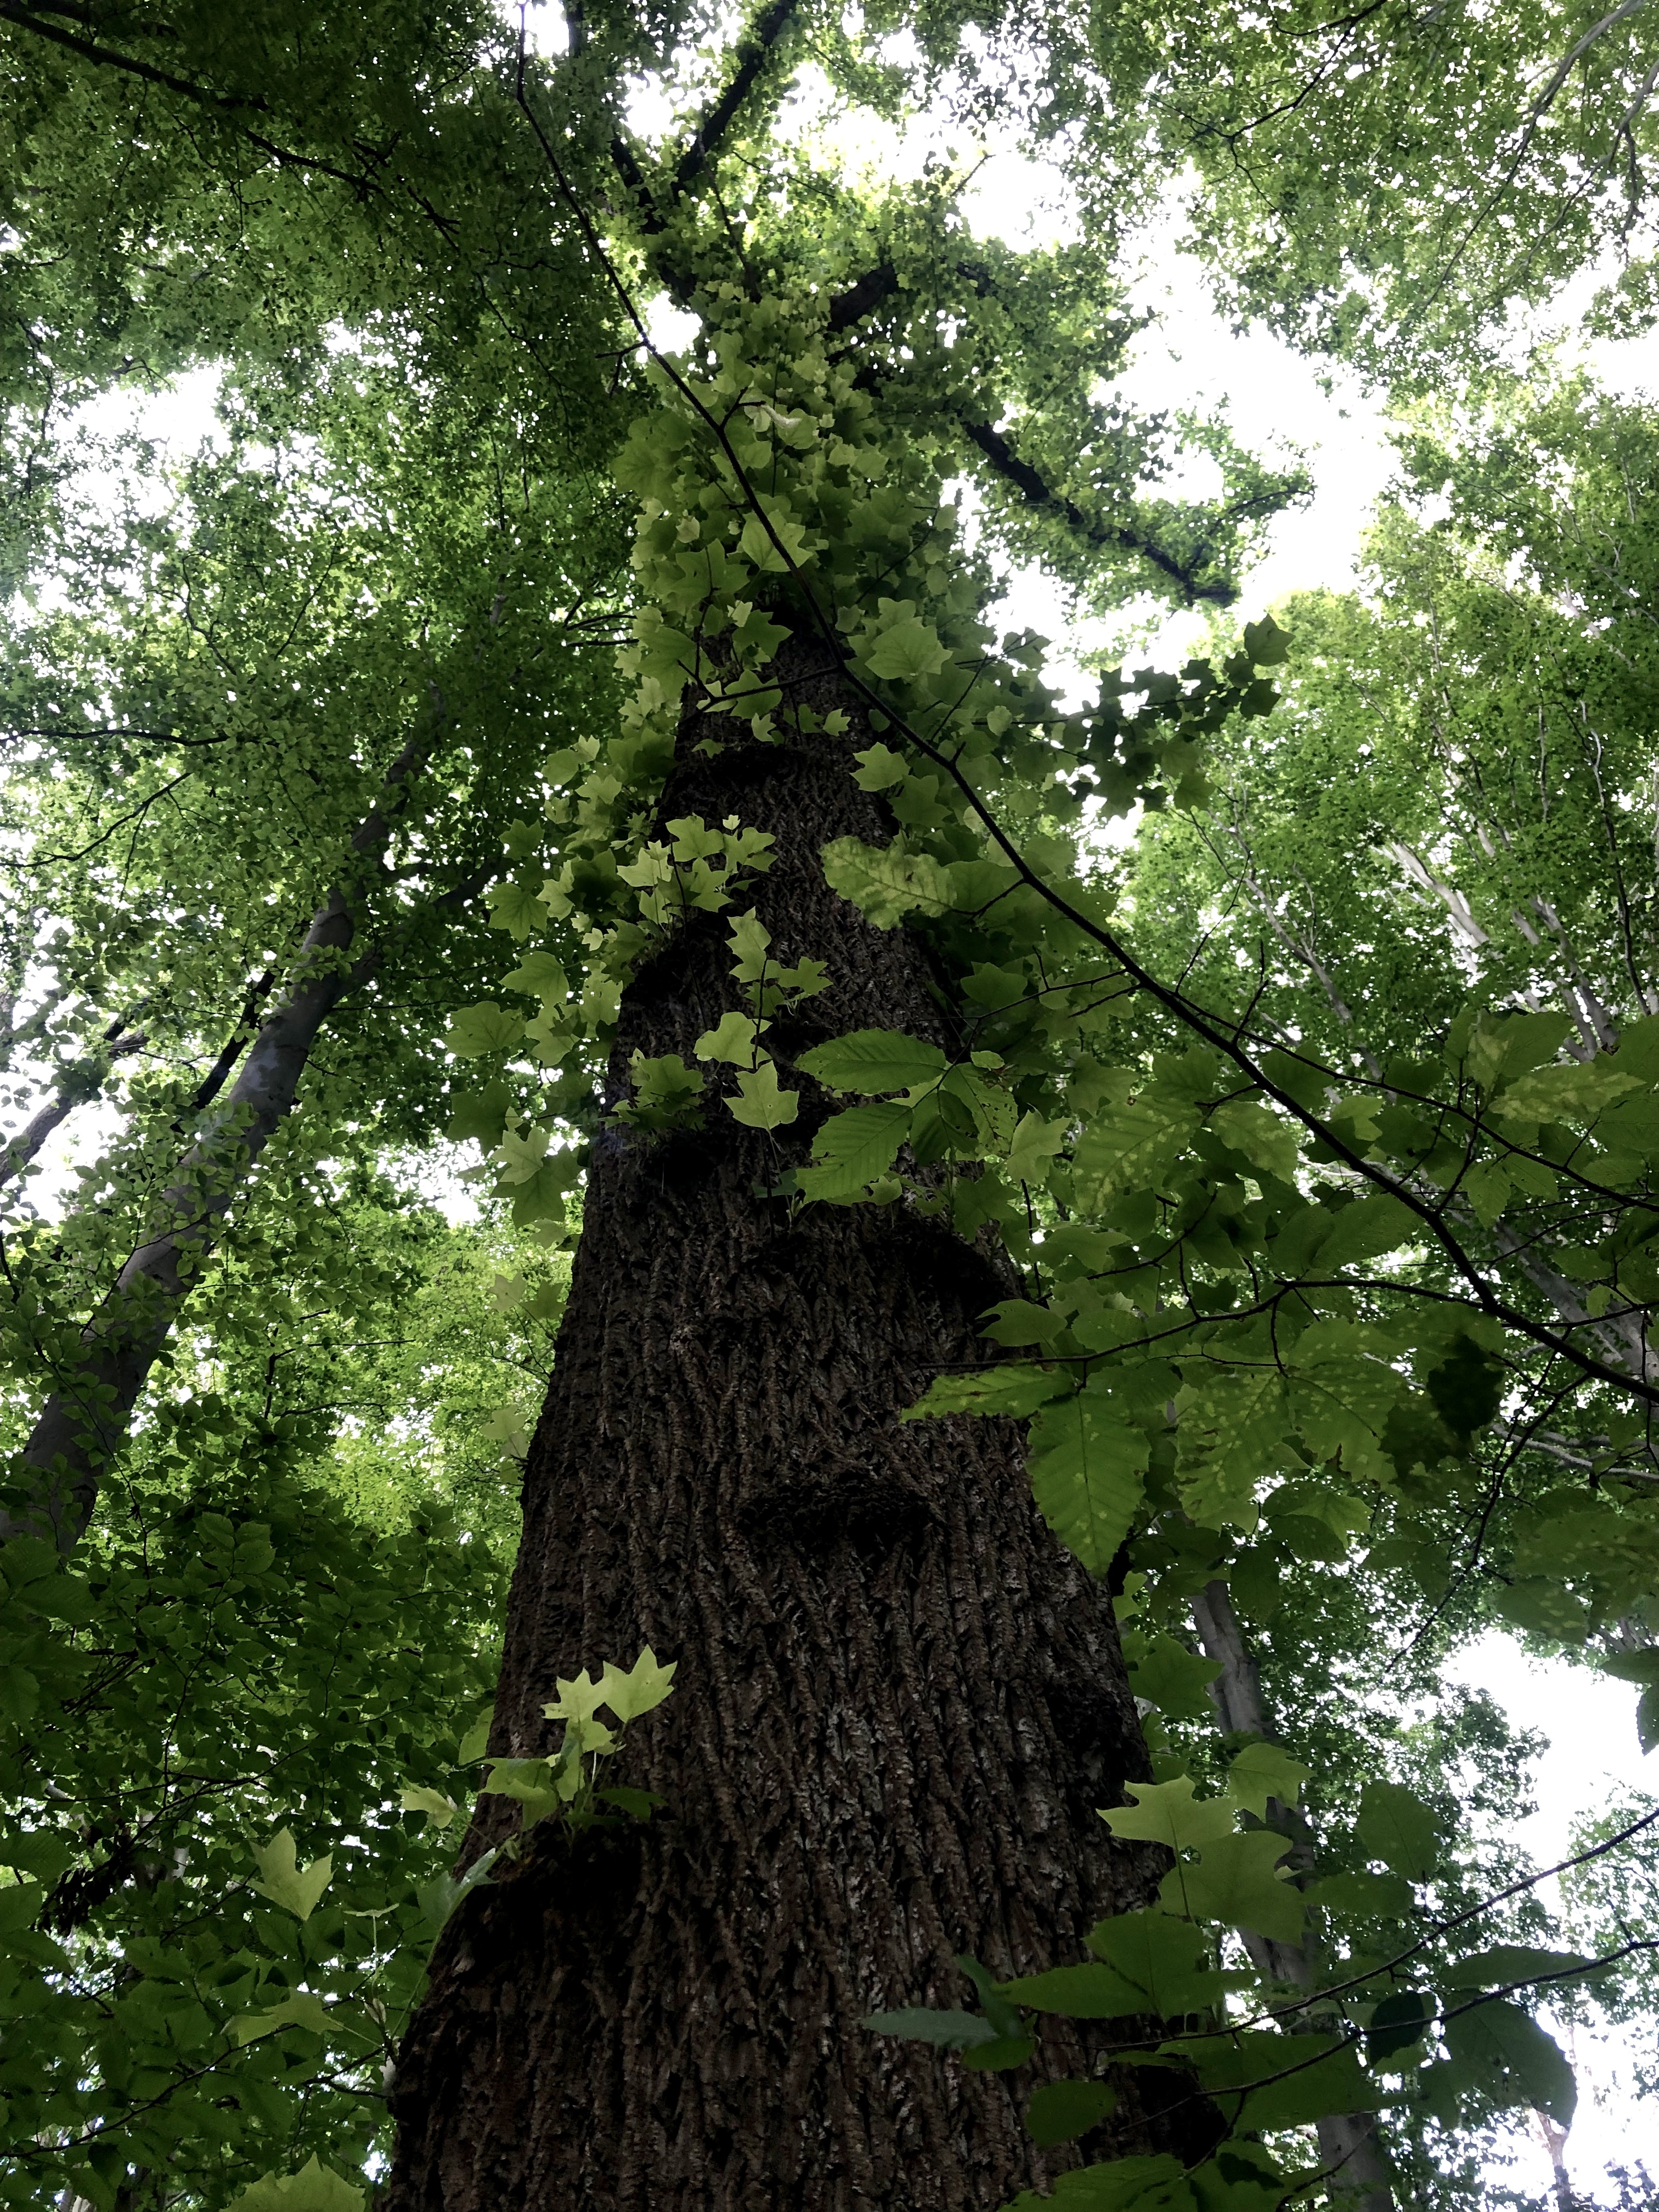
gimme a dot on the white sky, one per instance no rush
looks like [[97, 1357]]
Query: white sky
[[1191, 359]]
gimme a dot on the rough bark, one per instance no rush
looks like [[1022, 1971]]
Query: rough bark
[[1348, 2147], [899, 1701]]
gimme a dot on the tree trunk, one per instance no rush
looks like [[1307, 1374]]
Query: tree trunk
[[899, 1701], [1348, 2147]]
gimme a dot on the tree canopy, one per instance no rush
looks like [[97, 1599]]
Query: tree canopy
[[1294, 1065]]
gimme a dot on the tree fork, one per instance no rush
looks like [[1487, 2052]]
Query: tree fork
[[899, 1700]]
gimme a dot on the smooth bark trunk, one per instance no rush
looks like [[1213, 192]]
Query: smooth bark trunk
[[84, 1422], [899, 1701], [1348, 2147]]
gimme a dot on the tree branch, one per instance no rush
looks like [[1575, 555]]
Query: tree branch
[[226, 104], [752, 57], [1036, 492], [80, 1082]]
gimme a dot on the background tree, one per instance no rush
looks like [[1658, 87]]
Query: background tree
[[818, 837]]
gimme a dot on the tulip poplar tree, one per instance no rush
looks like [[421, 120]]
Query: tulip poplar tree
[[814, 1618]]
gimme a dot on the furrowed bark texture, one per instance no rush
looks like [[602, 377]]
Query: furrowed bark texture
[[899, 1701]]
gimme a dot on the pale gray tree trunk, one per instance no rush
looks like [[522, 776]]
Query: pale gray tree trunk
[[1347, 2140]]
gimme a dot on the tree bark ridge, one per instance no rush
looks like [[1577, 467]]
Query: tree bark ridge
[[899, 1702]]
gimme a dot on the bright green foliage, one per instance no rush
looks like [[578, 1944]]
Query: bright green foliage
[[1319, 1118], [314, 2188], [295, 1887]]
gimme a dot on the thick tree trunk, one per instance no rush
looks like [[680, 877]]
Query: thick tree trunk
[[899, 1701]]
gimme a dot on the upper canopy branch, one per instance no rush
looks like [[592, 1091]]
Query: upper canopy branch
[[1036, 492], [705, 141], [228, 105]]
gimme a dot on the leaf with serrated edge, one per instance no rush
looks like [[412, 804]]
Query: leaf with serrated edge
[[1088, 1476], [872, 1062]]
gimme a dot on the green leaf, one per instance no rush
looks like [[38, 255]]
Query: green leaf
[[1175, 1680], [1266, 1139], [1262, 1770], [945, 2030], [1019, 1324], [1576, 1092], [1234, 1882], [1267, 646], [1165, 1958], [1397, 2023], [1122, 2184], [852, 1149], [640, 1690], [1466, 1387], [906, 649], [1343, 1393], [666, 1092], [1096, 1991], [732, 1039], [302, 2009], [439, 1810], [1017, 1388], [638, 1804], [884, 883], [474, 1739], [1505, 1963], [20, 1693], [1003, 2016], [870, 1061], [1397, 1826], [314, 2188], [478, 1116], [484, 1028], [1168, 1813], [879, 768], [540, 977], [1366, 1230], [517, 907], [760, 1104], [999, 2055], [285, 1883], [1231, 1437], [1128, 1147], [438, 1898], [1504, 2051], [1033, 1148], [1061, 2112], [1088, 1476], [1264, 2080], [1364, 1896], [580, 1698]]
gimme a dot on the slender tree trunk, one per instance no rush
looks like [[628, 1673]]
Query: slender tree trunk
[[84, 1422], [1347, 2140], [899, 1701]]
